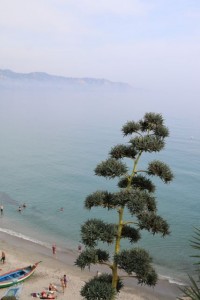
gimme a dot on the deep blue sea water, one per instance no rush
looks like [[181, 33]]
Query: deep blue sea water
[[50, 145]]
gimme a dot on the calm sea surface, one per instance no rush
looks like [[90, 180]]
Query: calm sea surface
[[50, 145]]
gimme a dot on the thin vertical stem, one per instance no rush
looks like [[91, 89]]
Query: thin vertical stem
[[120, 225], [117, 247]]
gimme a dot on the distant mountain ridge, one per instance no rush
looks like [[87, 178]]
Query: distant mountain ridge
[[42, 78]]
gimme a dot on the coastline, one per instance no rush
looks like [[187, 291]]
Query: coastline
[[20, 252]]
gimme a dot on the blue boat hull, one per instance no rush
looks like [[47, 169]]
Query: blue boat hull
[[17, 276]]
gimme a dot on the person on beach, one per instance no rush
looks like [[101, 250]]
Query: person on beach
[[3, 257], [65, 280], [54, 249], [52, 287], [98, 273], [62, 284], [1, 208], [79, 248], [45, 295]]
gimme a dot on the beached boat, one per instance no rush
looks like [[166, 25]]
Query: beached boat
[[17, 276], [13, 291]]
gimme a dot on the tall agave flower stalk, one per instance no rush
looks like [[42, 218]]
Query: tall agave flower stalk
[[136, 195]]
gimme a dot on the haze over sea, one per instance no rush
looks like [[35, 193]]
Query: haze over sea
[[51, 141]]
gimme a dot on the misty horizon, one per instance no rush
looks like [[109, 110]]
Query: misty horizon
[[150, 45]]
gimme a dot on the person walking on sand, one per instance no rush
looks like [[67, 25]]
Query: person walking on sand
[[54, 249], [62, 284], [3, 257], [65, 280]]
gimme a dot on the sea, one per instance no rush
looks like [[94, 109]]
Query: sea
[[51, 142]]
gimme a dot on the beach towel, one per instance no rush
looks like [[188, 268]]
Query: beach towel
[[35, 295], [49, 295]]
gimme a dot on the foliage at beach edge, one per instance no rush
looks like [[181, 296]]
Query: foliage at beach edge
[[193, 290], [135, 195]]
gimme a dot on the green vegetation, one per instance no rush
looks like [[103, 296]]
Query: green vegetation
[[136, 196], [193, 291]]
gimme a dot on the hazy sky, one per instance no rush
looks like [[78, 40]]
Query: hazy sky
[[147, 43]]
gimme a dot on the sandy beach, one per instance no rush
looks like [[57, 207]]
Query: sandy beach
[[21, 253]]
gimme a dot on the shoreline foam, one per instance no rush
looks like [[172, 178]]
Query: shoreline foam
[[48, 246]]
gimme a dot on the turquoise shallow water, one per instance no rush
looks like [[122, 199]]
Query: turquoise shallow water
[[50, 145]]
